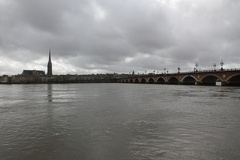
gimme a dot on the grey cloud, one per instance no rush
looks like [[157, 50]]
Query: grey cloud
[[100, 35]]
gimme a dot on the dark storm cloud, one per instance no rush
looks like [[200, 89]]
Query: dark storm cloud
[[118, 36]]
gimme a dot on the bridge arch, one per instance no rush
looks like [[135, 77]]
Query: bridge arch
[[210, 79], [143, 80], [131, 80], [151, 81], [136, 80], [161, 80], [189, 80], [234, 80], [173, 80]]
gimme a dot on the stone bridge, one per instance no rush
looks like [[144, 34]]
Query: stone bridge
[[220, 77]]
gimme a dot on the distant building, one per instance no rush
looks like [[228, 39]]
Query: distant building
[[33, 73], [4, 79], [49, 67]]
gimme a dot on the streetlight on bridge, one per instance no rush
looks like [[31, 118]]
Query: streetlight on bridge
[[221, 63], [179, 69], [196, 66], [164, 70], [214, 66]]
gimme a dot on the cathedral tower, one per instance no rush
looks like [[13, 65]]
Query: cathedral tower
[[49, 67]]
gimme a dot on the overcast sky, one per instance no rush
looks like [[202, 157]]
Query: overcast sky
[[106, 36]]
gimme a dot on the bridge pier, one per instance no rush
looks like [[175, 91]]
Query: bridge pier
[[224, 84], [198, 83]]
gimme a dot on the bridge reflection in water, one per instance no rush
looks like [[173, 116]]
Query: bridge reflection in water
[[221, 77]]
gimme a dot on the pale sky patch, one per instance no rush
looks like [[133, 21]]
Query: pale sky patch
[[99, 13]]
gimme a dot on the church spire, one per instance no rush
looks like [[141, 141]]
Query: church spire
[[49, 71], [50, 56]]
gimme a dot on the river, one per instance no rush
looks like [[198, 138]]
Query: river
[[119, 122]]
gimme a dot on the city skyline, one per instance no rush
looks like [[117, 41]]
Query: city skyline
[[121, 36], [49, 69]]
